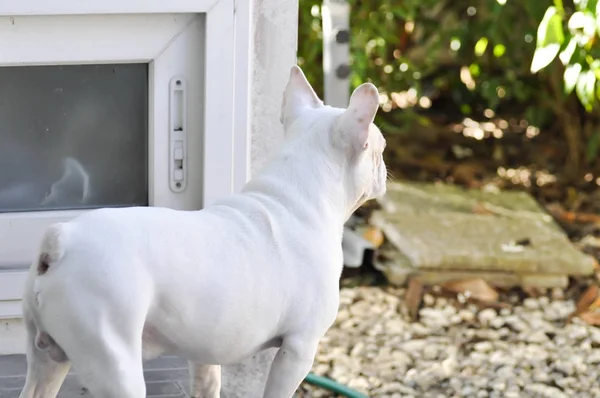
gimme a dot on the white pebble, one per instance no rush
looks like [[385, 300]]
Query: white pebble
[[487, 315]]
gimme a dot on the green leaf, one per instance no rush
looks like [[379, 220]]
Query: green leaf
[[550, 30], [571, 76], [499, 50], [566, 54], [590, 86], [598, 17], [480, 46], [475, 70], [543, 56], [400, 12], [593, 145], [550, 37], [585, 89]]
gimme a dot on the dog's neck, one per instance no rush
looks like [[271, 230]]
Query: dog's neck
[[306, 181]]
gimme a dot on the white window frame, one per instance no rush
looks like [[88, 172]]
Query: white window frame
[[225, 114]]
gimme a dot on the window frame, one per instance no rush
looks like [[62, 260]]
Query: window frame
[[224, 97]]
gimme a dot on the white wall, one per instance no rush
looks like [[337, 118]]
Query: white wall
[[12, 336], [275, 44]]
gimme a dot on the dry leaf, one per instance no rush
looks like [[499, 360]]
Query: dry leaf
[[474, 288], [413, 297], [595, 305], [586, 300], [573, 217], [535, 292], [590, 317], [374, 235]]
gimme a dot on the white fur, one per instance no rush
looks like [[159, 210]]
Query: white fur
[[259, 269]]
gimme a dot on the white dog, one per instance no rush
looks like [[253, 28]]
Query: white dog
[[259, 269]]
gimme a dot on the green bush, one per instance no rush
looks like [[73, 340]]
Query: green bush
[[470, 58], [570, 35]]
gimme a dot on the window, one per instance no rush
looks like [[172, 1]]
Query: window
[[73, 136]]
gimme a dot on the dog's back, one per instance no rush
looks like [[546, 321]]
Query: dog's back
[[163, 267]]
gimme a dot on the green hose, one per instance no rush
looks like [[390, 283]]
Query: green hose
[[332, 386]]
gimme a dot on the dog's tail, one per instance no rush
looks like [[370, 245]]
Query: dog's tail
[[52, 248]]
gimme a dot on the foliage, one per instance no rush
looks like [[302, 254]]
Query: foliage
[[570, 35], [424, 45], [571, 39], [470, 58]]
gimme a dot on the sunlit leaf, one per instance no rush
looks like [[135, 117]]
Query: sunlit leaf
[[595, 67], [590, 86], [499, 50], [543, 56], [480, 46], [570, 77], [566, 54], [577, 20], [475, 70], [597, 15], [550, 30], [585, 89], [580, 91], [582, 25], [550, 37]]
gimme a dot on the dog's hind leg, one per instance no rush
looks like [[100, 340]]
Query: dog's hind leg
[[104, 344], [47, 366], [205, 381], [290, 366], [106, 356], [112, 373]]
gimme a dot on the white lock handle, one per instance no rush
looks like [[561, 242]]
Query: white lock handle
[[177, 135]]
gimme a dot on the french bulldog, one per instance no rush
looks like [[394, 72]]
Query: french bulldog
[[258, 269]]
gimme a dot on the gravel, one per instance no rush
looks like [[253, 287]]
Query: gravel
[[458, 350]]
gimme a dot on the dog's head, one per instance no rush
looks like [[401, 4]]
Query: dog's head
[[347, 136]]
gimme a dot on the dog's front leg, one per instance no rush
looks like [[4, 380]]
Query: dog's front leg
[[205, 381], [290, 366]]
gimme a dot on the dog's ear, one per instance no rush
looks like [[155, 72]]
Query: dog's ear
[[355, 121], [297, 97]]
